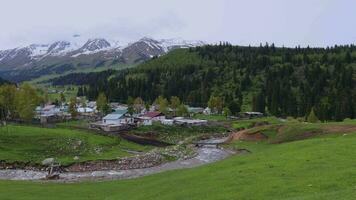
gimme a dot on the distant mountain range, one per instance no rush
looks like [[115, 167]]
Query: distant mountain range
[[28, 62]]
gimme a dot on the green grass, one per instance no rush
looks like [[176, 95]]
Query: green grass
[[34, 144], [278, 131], [175, 134], [73, 124], [248, 123], [319, 168]]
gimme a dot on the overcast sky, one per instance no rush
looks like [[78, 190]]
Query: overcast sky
[[243, 22]]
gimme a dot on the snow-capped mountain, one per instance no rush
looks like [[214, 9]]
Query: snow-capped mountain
[[24, 63]]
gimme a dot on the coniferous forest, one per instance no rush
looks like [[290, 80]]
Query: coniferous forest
[[278, 81]]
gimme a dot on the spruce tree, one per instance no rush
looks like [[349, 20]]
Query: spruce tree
[[312, 118]]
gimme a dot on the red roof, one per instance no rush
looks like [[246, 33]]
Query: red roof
[[152, 114]]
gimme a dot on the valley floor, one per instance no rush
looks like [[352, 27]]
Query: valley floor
[[321, 167]]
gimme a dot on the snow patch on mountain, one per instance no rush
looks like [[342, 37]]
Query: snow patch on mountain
[[168, 44]]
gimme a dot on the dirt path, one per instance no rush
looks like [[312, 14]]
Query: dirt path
[[205, 155]]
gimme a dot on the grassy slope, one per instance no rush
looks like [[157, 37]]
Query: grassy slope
[[175, 134], [318, 168], [32, 144]]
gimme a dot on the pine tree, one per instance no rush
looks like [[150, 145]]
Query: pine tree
[[312, 118]]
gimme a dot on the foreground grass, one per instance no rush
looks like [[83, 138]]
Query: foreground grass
[[318, 168], [34, 144]]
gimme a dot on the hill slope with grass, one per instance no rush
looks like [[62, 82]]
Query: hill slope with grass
[[316, 168], [31, 145]]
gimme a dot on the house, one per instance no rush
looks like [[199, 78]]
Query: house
[[155, 115], [85, 110], [118, 106], [252, 114], [50, 114], [168, 122], [116, 121], [195, 110], [145, 121], [190, 122], [48, 110], [118, 117], [207, 111], [149, 117], [92, 104]]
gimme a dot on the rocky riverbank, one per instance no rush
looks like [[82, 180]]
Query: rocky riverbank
[[141, 165]]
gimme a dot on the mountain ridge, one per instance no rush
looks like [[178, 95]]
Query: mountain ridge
[[32, 61]]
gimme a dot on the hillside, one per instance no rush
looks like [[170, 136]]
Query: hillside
[[279, 81], [317, 168], [29, 145]]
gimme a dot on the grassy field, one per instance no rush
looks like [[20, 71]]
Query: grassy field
[[73, 124], [175, 134], [248, 123], [317, 168], [34, 144], [211, 117]]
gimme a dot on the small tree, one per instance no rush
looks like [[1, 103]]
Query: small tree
[[26, 101], [312, 118], [226, 112], [147, 106], [175, 103], [216, 104], [73, 107], [130, 106], [138, 104], [162, 104], [62, 98], [7, 99], [102, 104], [182, 110]]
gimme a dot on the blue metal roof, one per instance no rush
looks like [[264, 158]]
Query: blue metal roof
[[115, 115]]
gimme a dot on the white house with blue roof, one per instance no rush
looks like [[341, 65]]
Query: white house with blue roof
[[119, 117]]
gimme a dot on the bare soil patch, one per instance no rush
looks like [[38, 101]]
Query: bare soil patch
[[340, 128], [245, 135]]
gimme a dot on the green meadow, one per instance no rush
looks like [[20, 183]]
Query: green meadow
[[318, 167]]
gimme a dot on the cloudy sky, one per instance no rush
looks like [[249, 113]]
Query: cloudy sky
[[284, 22]]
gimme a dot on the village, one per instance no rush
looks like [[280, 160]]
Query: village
[[118, 116]]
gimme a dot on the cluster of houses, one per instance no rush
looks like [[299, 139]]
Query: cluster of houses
[[57, 113], [120, 119]]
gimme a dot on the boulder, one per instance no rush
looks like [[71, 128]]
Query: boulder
[[48, 161]]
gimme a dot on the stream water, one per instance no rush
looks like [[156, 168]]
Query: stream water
[[206, 154]]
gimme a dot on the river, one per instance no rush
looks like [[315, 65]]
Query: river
[[206, 154]]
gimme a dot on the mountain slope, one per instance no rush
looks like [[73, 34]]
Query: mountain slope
[[280, 81], [25, 63]]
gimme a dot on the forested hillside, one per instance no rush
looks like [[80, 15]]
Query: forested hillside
[[279, 81]]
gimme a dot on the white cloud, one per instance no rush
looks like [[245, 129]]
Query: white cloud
[[314, 22]]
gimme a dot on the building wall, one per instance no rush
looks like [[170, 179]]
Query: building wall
[[159, 118], [118, 121]]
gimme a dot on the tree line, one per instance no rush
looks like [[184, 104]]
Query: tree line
[[275, 80]]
